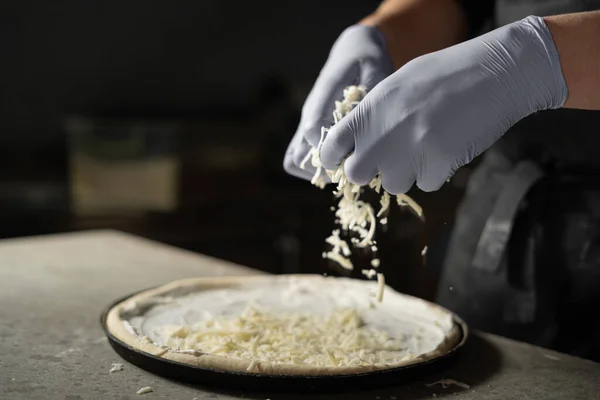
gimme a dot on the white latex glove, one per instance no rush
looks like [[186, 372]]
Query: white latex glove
[[358, 57], [441, 110]]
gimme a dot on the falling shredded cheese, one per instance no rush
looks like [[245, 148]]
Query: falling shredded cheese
[[340, 259], [375, 263], [385, 203], [369, 273], [424, 251], [403, 200], [339, 338], [381, 287], [356, 217], [338, 244]]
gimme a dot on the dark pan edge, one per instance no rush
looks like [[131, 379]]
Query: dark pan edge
[[268, 382]]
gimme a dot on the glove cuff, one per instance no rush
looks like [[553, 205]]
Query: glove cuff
[[548, 70]]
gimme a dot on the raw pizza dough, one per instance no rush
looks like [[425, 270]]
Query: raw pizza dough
[[428, 330]]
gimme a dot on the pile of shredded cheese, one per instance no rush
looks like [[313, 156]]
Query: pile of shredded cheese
[[333, 340], [355, 216]]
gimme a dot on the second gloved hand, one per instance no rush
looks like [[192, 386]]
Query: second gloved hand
[[441, 110], [358, 57]]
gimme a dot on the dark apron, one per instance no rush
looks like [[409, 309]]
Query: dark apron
[[524, 256], [523, 259]]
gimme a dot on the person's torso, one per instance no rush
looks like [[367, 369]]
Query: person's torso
[[508, 11]]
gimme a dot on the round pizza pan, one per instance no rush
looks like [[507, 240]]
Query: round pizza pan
[[270, 382]]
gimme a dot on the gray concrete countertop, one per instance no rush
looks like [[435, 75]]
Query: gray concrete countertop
[[53, 289]]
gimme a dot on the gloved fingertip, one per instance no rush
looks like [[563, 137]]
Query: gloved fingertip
[[292, 169], [338, 143], [430, 185], [397, 183], [288, 164], [357, 172]]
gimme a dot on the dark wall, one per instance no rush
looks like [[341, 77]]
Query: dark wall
[[232, 70], [147, 57]]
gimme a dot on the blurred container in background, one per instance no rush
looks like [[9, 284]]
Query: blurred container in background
[[123, 166]]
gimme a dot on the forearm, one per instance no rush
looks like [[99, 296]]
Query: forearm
[[416, 27], [577, 40]]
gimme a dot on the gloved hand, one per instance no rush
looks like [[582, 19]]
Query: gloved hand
[[358, 57], [439, 111]]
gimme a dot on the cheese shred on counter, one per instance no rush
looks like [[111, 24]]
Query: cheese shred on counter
[[356, 217], [337, 339]]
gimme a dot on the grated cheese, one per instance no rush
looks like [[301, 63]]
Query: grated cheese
[[189, 351], [375, 263], [339, 338], [144, 390], [252, 365], [162, 352], [424, 251], [353, 215], [116, 367], [338, 244], [145, 339], [449, 382]]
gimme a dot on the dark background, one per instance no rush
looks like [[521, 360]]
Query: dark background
[[230, 77]]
